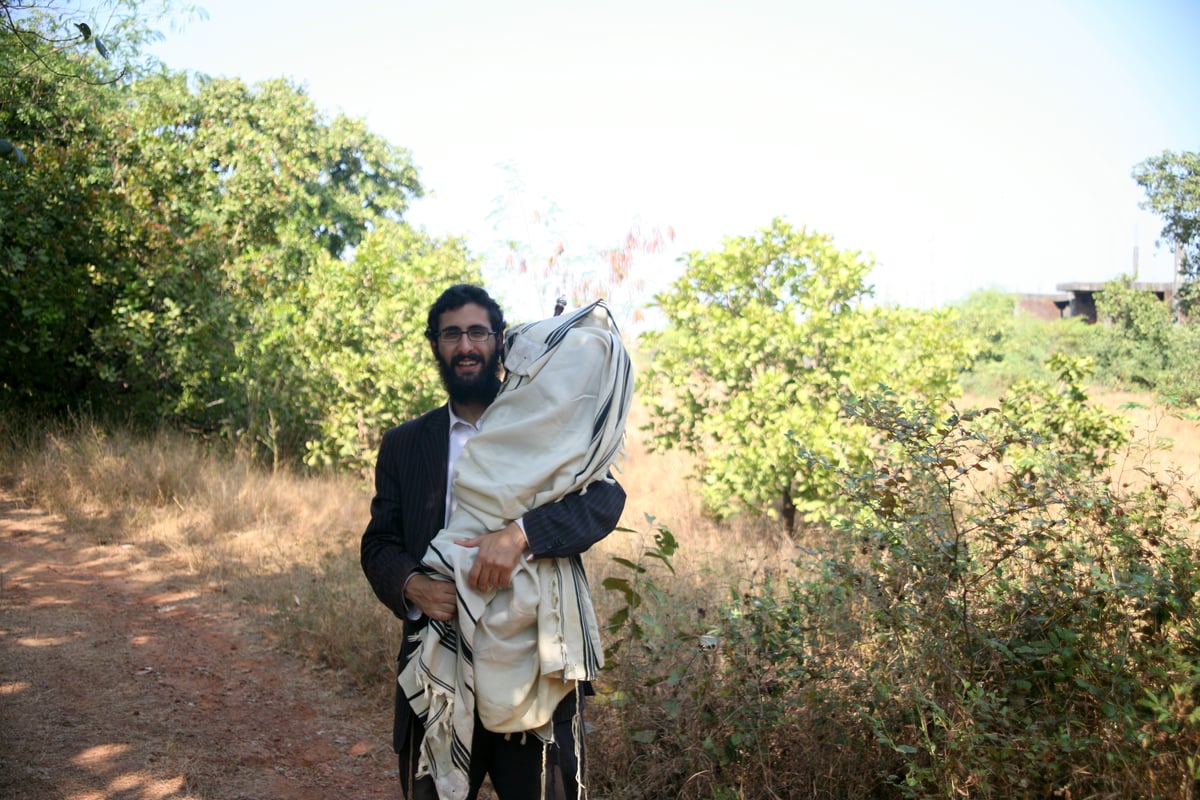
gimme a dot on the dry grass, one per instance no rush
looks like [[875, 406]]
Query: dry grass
[[270, 538], [282, 543], [1163, 440]]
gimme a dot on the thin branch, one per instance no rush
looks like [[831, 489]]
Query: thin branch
[[39, 58]]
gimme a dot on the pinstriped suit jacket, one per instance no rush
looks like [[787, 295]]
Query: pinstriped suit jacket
[[409, 508]]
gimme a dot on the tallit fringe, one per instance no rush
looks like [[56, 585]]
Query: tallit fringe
[[577, 731]]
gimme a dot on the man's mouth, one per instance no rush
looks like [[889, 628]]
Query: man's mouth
[[467, 364]]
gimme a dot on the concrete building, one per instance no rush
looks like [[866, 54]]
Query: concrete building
[[1079, 299]]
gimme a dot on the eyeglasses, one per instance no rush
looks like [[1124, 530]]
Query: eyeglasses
[[476, 333]]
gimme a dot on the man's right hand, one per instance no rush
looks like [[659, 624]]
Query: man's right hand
[[436, 599]]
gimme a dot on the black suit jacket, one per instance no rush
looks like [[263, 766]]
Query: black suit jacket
[[409, 508]]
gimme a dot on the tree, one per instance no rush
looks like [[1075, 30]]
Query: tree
[[176, 242], [235, 194], [361, 345], [1013, 345], [53, 94], [221, 257], [1172, 184], [762, 340], [47, 46]]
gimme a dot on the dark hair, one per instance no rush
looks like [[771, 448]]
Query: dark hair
[[458, 296]]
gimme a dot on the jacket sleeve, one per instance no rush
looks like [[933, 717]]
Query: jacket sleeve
[[385, 556], [571, 525]]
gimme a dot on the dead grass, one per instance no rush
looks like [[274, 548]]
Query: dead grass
[[1163, 440], [234, 525], [283, 543]]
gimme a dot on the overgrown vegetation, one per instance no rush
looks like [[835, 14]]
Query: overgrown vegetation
[[1013, 346], [760, 337], [996, 607], [989, 615], [1172, 184], [1136, 345]]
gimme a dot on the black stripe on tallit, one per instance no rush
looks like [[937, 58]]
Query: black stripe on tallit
[[449, 568], [447, 633], [580, 579], [459, 754], [607, 407]]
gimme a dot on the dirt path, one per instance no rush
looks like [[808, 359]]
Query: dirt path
[[118, 681]]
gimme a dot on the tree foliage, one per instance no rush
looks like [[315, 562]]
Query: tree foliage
[[1134, 337], [1138, 346], [1172, 185], [1013, 346], [176, 244], [52, 100], [761, 340], [362, 344]]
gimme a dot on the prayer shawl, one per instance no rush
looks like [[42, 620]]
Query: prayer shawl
[[556, 426]]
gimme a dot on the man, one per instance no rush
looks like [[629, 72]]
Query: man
[[413, 500]]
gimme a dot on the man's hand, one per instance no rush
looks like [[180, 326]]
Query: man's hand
[[499, 553], [436, 599]]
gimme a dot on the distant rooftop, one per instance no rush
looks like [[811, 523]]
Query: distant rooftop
[[1098, 286]]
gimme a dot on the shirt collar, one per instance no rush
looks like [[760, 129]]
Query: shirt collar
[[456, 420]]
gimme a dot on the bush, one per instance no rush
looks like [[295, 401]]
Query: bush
[[988, 617], [1014, 346], [999, 630], [1179, 385], [1134, 337]]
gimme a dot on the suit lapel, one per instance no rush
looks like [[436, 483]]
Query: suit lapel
[[431, 462]]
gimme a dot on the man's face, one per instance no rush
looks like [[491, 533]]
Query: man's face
[[470, 370]]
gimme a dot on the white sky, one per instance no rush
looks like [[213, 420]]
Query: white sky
[[962, 144]]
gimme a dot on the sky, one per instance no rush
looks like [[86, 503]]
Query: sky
[[960, 145]]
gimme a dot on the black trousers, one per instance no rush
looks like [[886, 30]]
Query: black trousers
[[513, 762]]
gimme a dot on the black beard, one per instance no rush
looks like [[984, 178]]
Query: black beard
[[482, 388]]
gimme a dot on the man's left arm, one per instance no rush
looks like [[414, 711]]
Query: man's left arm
[[567, 527], [573, 524]]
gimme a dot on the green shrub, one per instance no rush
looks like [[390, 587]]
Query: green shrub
[[987, 617], [1013, 346], [1134, 335], [1179, 384], [1001, 630]]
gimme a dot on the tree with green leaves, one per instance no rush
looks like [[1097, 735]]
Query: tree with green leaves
[[204, 252], [362, 344], [237, 194], [762, 340], [1172, 184], [1014, 345], [55, 92]]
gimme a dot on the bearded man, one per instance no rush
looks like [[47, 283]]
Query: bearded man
[[413, 502]]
